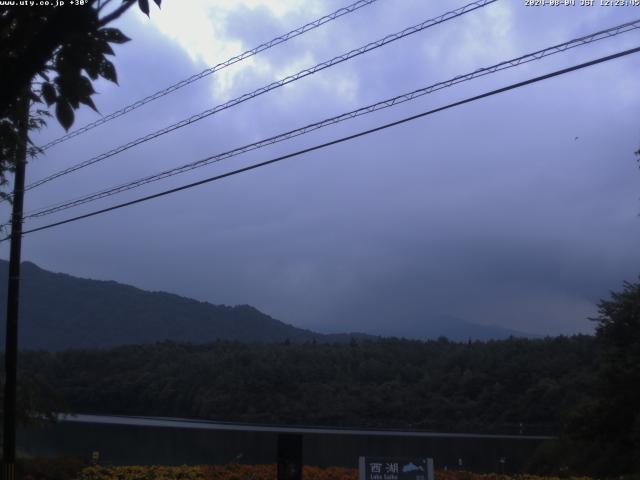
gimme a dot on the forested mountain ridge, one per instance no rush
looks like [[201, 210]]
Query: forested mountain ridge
[[59, 311]]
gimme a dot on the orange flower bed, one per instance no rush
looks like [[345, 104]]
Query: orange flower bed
[[210, 472], [265, 472], [268, 472]]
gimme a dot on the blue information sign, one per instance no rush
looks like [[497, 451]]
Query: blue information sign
[[388, 468]]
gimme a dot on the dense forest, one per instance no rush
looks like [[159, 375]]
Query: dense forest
[[437, 385], [583, 388]]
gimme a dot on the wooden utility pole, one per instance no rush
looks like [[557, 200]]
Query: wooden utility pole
[[13, 292]]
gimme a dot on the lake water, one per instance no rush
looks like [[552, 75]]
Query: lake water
[[146, 440]]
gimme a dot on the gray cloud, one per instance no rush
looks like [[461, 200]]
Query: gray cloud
[[492, 212]]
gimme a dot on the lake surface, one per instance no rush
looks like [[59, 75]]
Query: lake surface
[[152, 440]]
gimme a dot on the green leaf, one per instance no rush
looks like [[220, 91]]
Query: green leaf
[[144, 6], [84, 86], [92, 65], [74, 87], [49, 93], [89, 102], [113, 35], [108, 71], [73, 100], [64, 113], [103, 47]]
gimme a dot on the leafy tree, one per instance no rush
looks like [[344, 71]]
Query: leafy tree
[[618, 404], [37, 401], [604, 432], [51, 56]]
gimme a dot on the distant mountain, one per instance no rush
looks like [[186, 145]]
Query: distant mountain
[[453, 328], [59, 311]]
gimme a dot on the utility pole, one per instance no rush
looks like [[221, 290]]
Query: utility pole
[[13, 291]]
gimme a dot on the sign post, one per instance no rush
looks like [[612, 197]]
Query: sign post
[[387, 468], [289, 456]]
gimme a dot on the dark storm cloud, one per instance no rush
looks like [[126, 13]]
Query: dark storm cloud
[[493, 212]]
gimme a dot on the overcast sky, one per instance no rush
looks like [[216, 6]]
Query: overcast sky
[[519, 210]]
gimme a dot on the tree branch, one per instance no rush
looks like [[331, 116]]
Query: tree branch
[[126, 5], [102, 4]]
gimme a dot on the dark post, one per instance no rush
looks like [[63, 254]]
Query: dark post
[[289, 456], [13, 291]]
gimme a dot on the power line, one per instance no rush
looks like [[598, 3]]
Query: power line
[[340, 140], [238, 58], [585, 40], [272, 86]]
